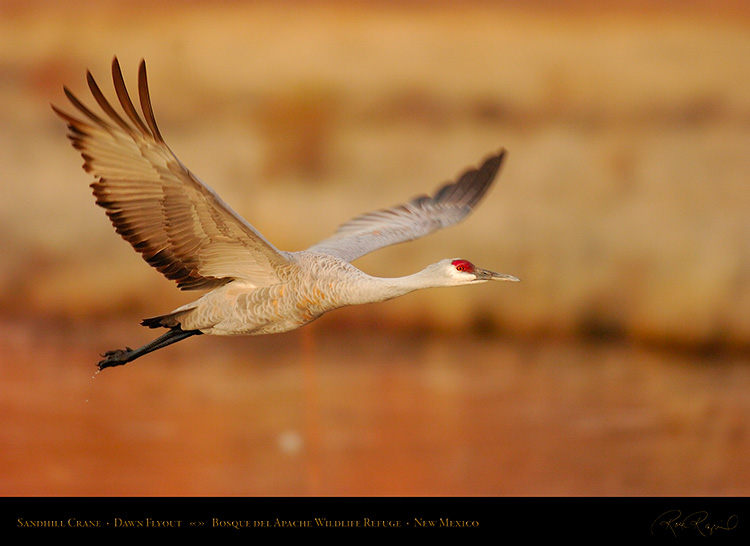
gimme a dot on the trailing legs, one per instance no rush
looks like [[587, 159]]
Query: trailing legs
[[118, 357]]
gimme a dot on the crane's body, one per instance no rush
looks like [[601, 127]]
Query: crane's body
[[183, 229]]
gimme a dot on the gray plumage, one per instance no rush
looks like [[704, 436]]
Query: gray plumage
[[182, 228]]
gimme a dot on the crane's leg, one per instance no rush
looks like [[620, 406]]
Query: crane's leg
[[119, 357]]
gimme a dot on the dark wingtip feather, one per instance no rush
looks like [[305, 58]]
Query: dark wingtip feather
[[471, 186], [124, 97], [145, 99], [487, 174]]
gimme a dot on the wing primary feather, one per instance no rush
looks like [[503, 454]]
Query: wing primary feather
[[106, 106], [72, 122], [485, 177], [124, 97], [145, 98], [84, 109]]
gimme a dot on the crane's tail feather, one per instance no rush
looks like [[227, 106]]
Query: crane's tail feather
[[170, 320]]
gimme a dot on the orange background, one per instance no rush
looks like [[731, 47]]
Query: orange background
[[618, 366]]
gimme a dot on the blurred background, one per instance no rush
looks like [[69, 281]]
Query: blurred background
[[618, 366]]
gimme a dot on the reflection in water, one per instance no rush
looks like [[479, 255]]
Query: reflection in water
[[321, 413]]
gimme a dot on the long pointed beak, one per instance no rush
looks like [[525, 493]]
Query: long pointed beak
[[486, 275]]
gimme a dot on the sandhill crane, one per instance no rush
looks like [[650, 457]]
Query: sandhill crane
[[183, 229]]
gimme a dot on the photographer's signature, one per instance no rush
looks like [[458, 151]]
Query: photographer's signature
[[672, 521]]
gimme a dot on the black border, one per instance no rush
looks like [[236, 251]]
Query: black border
[[668, 518]]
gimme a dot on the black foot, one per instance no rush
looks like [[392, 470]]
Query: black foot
[[118, 357]]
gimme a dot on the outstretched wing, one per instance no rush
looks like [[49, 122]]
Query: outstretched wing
[[177, 223], [417, 218]]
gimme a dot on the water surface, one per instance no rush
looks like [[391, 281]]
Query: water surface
[[321, 412]]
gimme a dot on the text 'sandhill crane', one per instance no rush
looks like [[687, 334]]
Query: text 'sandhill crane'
[[184, 230]]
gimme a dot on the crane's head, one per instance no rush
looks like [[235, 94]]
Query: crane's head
[[461, 271]]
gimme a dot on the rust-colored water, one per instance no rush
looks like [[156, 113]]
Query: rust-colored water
[[325, 413]]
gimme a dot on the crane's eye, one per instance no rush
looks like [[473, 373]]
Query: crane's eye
[[463, 265]]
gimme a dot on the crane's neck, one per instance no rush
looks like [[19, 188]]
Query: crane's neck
[[369, 289], [335, 283]]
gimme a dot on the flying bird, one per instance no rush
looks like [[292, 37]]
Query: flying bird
[[182, 228]]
